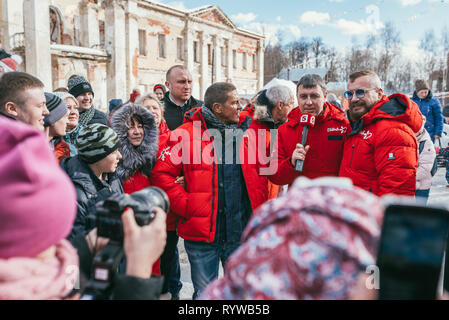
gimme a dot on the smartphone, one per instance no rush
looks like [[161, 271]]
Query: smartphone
[[410, 256]]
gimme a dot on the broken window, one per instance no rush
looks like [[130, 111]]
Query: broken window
[[162, 46], [196, 51], [180, 48], [244, 61], [142, 43]]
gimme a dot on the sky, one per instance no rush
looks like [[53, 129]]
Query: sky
[[338, 22]]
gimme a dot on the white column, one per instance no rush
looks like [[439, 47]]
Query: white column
[[36, 22], [217, 61], [132, 46], [260, 61], [205, 75], [230, 61], [115, 46], [188, 47], [90, 29], [12, 16]]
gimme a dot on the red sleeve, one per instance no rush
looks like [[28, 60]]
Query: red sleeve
[[284, 172], [165, 172]]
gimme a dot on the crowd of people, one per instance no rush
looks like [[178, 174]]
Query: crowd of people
[[224, 168]]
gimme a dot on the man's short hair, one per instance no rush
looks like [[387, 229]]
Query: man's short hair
[[12, 86], [218, 93], [373, 76], [310, 81], [179, 66]]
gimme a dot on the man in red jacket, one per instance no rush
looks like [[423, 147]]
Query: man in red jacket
[[323, 152], [220, 191], [380, 154]]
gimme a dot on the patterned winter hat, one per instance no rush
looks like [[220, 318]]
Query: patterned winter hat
[[310, 243], [57, 108], [95, 142], [79, 85]]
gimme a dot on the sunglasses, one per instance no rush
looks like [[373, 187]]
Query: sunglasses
[[360, 93]]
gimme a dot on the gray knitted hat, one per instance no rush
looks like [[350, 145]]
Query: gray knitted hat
[[78, 86], [57, 108], [95, 142]]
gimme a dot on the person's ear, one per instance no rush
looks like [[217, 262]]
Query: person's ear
[[217, 108], [167, 85], [380, 93], [12, 109], [279, 105]]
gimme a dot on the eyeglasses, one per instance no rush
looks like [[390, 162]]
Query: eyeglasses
[[360, 93]]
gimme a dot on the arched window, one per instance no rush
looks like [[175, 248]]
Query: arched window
[[56, 26]]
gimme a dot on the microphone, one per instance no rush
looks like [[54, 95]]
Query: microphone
[[307, 120]]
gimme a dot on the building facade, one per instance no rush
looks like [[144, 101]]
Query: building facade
[[120, 45]]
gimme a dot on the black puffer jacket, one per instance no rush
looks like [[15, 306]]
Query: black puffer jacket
[[89, 191], [174, 114], [143, 157]]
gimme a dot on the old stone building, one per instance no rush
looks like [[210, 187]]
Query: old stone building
[[119, 45]]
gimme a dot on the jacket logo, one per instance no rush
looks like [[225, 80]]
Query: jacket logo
[[342, 130], [366, 134], [165, 152], [391, 156]]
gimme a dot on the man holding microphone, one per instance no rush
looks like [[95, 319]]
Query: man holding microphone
[[323, 150]]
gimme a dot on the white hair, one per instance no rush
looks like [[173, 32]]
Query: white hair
[[279, 93]]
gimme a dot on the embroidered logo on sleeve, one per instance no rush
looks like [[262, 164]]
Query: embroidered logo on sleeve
[[164, 152], [391, 156]]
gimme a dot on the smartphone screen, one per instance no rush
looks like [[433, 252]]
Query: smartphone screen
[[411, 252]]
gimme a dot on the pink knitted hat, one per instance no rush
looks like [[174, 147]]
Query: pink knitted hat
[[37, 199]]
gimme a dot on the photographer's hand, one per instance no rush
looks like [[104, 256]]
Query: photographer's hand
[[143, 245], [95, 243]]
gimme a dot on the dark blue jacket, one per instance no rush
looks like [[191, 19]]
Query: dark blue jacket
[[89, 191], [431, 108], [234, 206]]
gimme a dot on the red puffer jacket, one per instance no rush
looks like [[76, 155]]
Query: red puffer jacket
[[325, 139], [248, 111], [261, 138], [381, 154], [184, 155]]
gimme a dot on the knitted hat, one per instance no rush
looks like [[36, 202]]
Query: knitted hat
[[57, 108], [8, 65], [159, 86], [37, 199], [78, 86], [421, 84], [114, 103], [324, 230], [95, 142]]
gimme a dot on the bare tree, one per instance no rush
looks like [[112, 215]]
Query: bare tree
[[274, 60], [317, 49], [390, 40], [429, 44]]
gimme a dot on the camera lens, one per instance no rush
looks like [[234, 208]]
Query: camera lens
[[152, 197]]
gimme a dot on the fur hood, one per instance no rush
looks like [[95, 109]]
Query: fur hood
[[143, 157]]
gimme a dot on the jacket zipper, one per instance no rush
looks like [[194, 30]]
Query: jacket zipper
[[352, 155], [213, 188]]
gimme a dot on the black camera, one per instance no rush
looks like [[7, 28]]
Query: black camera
[[109, 225], [108, 221]]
